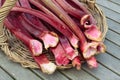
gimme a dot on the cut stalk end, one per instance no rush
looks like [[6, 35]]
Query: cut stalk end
[[90, 49], [50, 39], [36, 47], [93, 33]]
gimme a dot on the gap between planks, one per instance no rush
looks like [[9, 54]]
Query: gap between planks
[[107, 4]]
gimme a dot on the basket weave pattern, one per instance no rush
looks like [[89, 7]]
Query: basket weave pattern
[[18, 52]]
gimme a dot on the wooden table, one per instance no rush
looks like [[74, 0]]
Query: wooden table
[[109, 63]]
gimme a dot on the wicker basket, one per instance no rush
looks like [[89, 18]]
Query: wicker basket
[[16, 50]]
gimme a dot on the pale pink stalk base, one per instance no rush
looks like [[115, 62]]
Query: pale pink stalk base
[[45, 65], [48, 68]]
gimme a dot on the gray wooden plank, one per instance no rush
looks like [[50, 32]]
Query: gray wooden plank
[[55, 76], [108, 4], [112, 49], [111, 14], [114, 37], [16, 70], [115, 1], [102, 73], [4, 75], [113, 25], [78, 75], [110, 62]]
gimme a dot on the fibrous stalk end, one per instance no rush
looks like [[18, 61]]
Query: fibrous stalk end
[[50, 39], [90, 49], [36, 47], [93, 33]]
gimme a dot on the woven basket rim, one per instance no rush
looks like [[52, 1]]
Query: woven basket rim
[[5, 36]]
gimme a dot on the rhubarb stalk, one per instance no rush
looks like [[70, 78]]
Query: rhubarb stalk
[[84, 18], [35, 48], [60, 55], [73, 40], [50, 20], [50, 39], [87, 49], [34, 45], [70, 52]]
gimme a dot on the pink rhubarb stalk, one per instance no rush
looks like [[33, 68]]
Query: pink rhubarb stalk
[[34, 46], [55, 51], [91, 32], [70, 52], [84, 9], [87, 49], [49, 20], [84, 46], [73, 40], [50, 39], [69, 9], [60, 55], [89, 23]]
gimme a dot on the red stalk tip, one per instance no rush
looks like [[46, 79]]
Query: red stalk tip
[[76, 63], [92, 63]]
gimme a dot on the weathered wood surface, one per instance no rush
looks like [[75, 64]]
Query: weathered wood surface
[[109, 63]]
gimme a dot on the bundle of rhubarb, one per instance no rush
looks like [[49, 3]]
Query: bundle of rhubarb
[[64, 28]]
